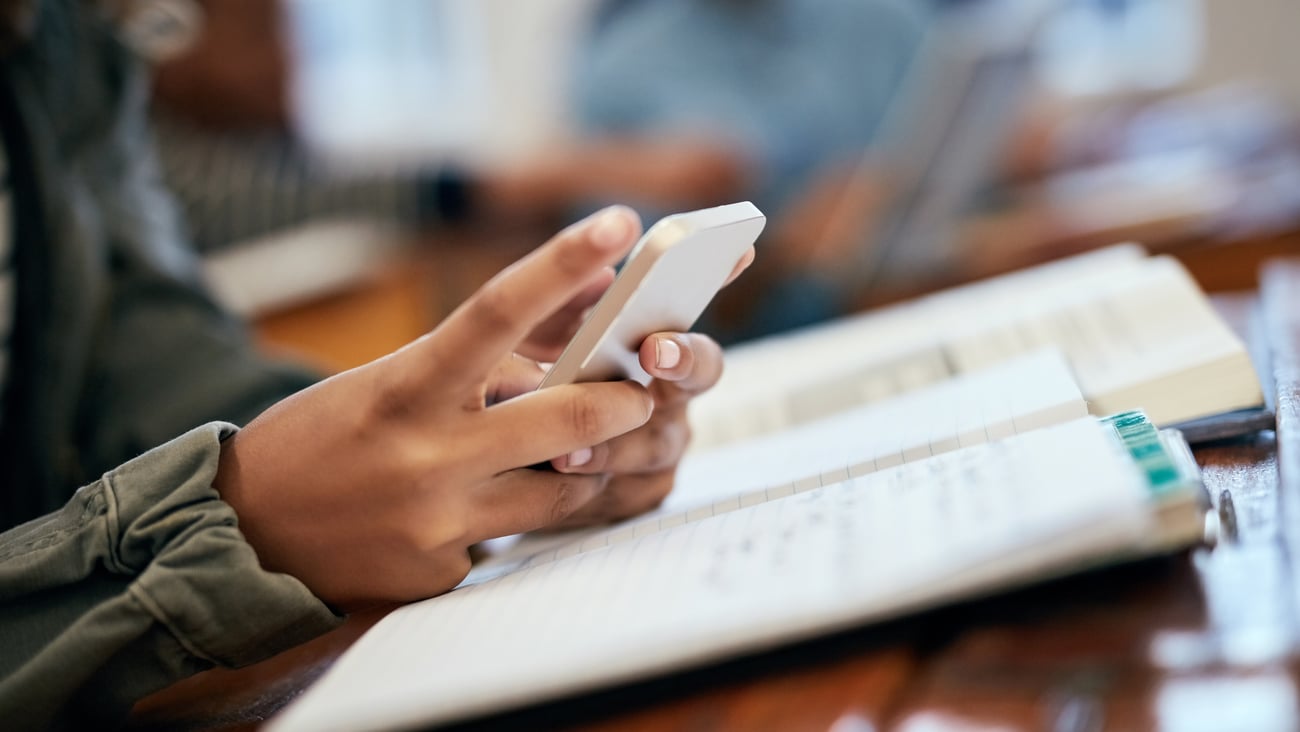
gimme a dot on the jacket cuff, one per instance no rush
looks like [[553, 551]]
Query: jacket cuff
[[195, 573]]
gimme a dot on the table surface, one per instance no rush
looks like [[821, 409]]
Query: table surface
[[1179, 641], [1202, 640]]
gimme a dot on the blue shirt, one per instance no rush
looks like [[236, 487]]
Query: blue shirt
[[794, 83]]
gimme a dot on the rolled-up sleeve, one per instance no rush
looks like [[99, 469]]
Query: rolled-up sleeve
[[141, 579]]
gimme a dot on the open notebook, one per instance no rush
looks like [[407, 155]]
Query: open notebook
[[1014, 396], [1137, 333], [818, 559]]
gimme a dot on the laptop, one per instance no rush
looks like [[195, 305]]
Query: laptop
[[943, 138]]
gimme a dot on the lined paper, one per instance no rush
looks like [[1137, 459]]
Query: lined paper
[[862, 549], [1015, 396]]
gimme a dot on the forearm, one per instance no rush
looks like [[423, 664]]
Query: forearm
[[143, 578], [236, 186]]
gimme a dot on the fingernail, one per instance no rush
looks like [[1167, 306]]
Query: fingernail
[[579, 458], [667, 353], [611, 230]]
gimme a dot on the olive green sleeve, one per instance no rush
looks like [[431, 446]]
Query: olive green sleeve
[[143, 578]]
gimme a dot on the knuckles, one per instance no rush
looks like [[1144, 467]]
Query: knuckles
[[391, 393], [655, 494], [492, 309], [595, 415], [571, 494], [434, 536], [627, 498], [645, 401], [586, 418], [665, 443], [575, 257], [646, 497]]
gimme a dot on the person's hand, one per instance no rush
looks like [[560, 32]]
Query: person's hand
[[667, 173], [642, 464], [547, 340], [639, 466], [636, 469], [372, 485]]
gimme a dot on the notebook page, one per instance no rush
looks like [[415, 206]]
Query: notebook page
[[1021, 394], [830, 558], [760, 395], [781, 405]]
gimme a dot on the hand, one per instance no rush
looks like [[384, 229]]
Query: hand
[[636, 469], [547, 341], [372, 485], [641, 465], [669, 173]]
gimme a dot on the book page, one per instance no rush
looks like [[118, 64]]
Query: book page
[[881, 328], [863, 549], [1019, 395], [1127, 326], [1145, 339], [778, 381]]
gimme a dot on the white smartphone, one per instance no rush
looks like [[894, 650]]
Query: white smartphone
[[669, 278]]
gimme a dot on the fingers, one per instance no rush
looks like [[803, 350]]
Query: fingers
[[514, 376], [745, 260], [545, 424], [547, 341], [657, 445], [683, 364], [624, 497], [526, 500], [489, 325]]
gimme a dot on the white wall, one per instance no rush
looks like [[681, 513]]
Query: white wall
[[530, 46], [1257, 39]]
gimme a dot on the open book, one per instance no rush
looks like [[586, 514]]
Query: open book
[[814, 559], [1136, 331]]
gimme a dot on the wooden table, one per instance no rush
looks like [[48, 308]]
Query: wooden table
[[1204, 640]]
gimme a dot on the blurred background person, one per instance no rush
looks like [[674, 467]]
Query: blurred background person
[[794, 84], [668, 106], [801, 87], [1028, 130], [896, 145], [225, 117]]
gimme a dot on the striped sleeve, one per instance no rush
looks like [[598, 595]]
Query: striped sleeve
[[236, 186]]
